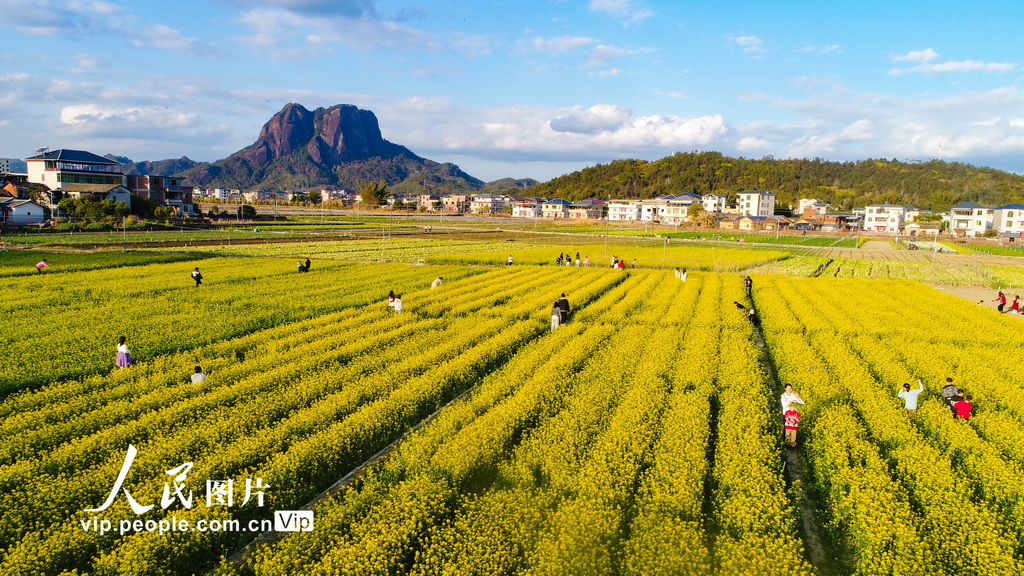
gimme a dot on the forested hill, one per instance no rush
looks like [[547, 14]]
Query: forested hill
[[933, 185]]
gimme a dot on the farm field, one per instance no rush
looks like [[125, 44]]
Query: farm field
[[642, 437]]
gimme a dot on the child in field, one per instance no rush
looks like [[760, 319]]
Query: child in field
[[197, 276], [1015, 305], [198, 376], [792, 422], [124, 355], [556, 316]]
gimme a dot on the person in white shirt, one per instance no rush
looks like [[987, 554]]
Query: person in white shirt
[[198, 376], [397, 304], [910, 397], [790, 396], [437, 282]]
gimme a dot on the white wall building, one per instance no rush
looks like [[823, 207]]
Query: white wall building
[[970, 219], [755, 203], [5, 165], [528, 208], [556, 208], [486, 203], [714, 202], [623, 210], [1009, 218], [56, 168], [20, 211], [885, 217]]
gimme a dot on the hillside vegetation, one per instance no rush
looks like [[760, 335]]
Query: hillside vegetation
[[932, 185]]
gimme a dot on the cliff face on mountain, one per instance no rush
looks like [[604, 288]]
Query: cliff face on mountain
[[327, 147]]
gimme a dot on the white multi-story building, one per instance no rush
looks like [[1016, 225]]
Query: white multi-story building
[[755, 203], [621, 210], [486, 203], [5, 165], [885, 217], [556, 208], [590, 208], [971, 219], [714, 202], [1009, 218], [528, 208], [56, 168]]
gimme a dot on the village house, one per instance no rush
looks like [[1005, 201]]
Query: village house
[[885, 217], [486, 203], [528, 208], [167, 190], [1009, 218], [455, 203], [714, 202], [971, 219], [755, 203], [555, 208], [590, 208], [623, 210], [21, 211]]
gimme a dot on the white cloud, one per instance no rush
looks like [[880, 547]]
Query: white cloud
[[603, 54], [627, 10], [858, 130], [925, 60], [598, 118], [751, 44], [753, 144], [919, 56], [287, 35], [86, 63], [560, 44], [1017, 122]]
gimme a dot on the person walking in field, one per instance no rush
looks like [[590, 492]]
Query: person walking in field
[[40, 265], [556, 316], [509, 260], [791, 424], [197, 276], [1015, 305], [563, 308], [124, 355], [586, 261], [790, 396], [948, 391], [963, 407], [682, 276], [1001, 298], [577, 259], [909, 397], [678, 273], [748, 284], [198, 376], [394, 301]]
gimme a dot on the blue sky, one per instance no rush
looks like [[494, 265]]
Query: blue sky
[[535, 88]]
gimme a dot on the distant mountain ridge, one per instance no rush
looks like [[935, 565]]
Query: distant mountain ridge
[[333, 147]]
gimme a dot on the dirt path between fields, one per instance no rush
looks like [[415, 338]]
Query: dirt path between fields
[[795, 468]]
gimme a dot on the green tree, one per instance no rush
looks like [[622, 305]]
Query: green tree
[[372, 193], [246, 212], [314, 197]]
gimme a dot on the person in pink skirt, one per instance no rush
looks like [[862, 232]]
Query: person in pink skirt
[[124, 356]]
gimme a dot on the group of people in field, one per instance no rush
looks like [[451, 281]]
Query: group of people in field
[[959, 403], [1014, 306]]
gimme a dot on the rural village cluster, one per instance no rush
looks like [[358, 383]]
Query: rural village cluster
[[75, 173]]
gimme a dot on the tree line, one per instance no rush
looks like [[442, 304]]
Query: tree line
[[931, 185]]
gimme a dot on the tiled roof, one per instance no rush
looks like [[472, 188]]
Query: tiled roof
[[80, 156]]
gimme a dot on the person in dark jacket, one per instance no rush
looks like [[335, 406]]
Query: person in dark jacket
[[563, 308]]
